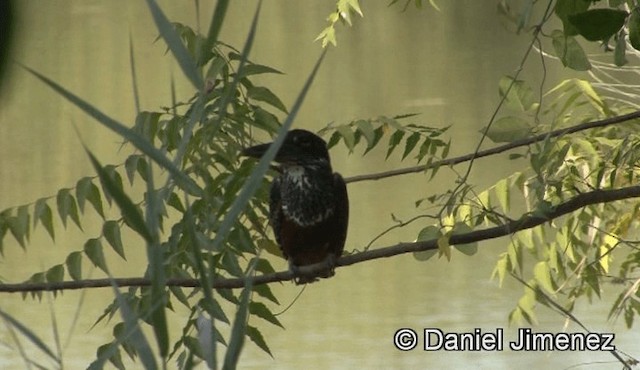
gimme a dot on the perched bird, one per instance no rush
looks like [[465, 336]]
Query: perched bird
[[309, 206]]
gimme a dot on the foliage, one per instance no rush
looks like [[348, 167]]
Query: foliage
[[204, 222]]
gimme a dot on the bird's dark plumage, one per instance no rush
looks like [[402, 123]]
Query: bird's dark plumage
[[309, 206]]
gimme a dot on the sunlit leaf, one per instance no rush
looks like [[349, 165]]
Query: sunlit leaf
[[508, 129], [347, 136], [519, 95], [444, 247], [503, 194], [542, 275]]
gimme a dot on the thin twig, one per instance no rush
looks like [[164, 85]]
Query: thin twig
[[498, 149]]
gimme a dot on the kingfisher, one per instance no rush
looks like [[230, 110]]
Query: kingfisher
[[308, 203]]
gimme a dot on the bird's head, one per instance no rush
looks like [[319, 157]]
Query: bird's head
[[300, 148]]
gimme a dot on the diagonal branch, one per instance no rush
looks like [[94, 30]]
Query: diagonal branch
[[498, 149], [525, 222]]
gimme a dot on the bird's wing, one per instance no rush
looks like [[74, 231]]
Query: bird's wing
[[275, 210], [342, 213]]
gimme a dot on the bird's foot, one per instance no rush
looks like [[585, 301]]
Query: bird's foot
[[298, 277], [330, 268]]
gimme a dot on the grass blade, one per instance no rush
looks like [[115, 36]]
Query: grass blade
[[205, 281], [33, 338], [130, 213], [156, 269], [216, 22], [134, 77], [138, 340], [180, 52], [138, 141], [236, 341], [229, 92]]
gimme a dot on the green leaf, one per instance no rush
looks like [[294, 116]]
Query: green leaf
[[175, 202], [87, 190], [238, 329], [347, 136], [501, 268], [366, 129], [470, 248], [508, 129], [257, 338], [74, 265], [570, 52], [542, 274], [180, 52], [598, 24], [519, 96], [130, 213], [93, 250], [634, 28], [254, 69], [111, 232], [394, 140], [83, 187], [265, 291], [19, 226], [109, 352], [566, 8], [443, 245], [55, 274], [619, 53], [410, 144], [265, 95], [260, 310], [136, 337], [527, 303], [42, 212], [67, 207], [503, 194], [131, 166], [428, 233], [147, 125]]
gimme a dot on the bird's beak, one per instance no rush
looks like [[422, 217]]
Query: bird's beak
[[256, 151], [285, 155]]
